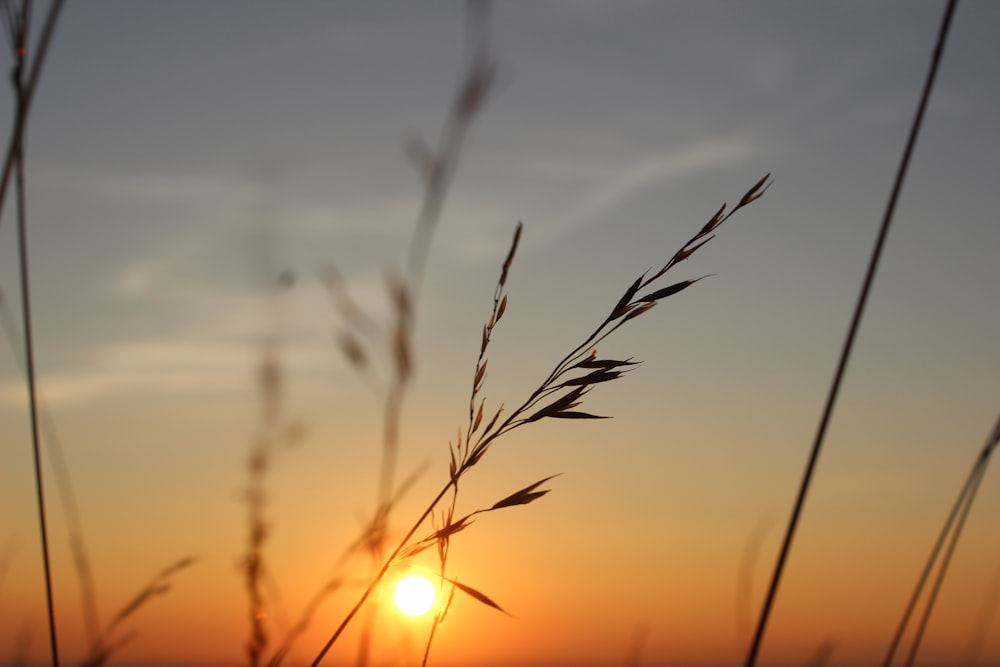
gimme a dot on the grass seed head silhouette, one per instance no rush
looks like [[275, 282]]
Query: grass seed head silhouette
[[558, 396]]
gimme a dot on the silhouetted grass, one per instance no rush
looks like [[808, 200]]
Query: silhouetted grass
[[17, 22], [110, 640], [558, 396], [561, 394], [848, 346], [952, 529], [16, 19]]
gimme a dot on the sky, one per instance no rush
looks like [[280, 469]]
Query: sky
[[182, 155]]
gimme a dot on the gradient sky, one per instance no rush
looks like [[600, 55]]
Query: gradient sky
[[166, 135]]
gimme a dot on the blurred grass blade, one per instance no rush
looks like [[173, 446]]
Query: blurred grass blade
[[482, 597]]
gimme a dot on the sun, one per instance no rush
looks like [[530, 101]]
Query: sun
[[414, 595]]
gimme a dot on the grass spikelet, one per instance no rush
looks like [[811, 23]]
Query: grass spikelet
[[107, 643], [524, 496], [556, 397]]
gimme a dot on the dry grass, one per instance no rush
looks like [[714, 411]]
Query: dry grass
[[558, 396], [362, 339], [111, 640], [383, 354], [368, 345]]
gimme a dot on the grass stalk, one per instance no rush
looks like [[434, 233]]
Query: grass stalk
[[52, 442], [436, 168], [945, 562], [380, 574], [107, 642], [959, 511], [849, 340], [17, 22], [273, 430], [27, 94], [557, 397]]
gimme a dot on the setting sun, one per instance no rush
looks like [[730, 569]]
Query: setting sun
[[414, 595]]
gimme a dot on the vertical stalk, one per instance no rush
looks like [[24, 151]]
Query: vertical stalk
[[851, 336], [28, 92], [19, 23]]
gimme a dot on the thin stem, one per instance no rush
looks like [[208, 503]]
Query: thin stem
[[444, 547], [960, 502], [472, 454], [438, 172], [389, 562], [390, 447], [27, 95], [441, 168], [20, 32], [929, 565], [66, 492], [851, 336], [945, 561], [961, 505]]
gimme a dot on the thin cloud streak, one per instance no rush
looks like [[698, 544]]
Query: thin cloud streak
[[642, 174], [152, 368]]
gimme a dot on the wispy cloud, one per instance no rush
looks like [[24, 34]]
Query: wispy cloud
[[480, 222], [147, 186], [163, 367], [641, 173], [136, 277], [157, 368]]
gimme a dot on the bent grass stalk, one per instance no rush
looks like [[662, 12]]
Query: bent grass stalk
[[557, 397], [17, 23], [28, 94], [108, 642]]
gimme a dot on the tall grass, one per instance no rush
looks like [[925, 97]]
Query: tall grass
[[562, 393], [17, 23], [361, 338], [28, 59]]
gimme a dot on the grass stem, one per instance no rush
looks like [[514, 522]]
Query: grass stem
[[945, 561], [851, 336], [389, 562], [958, 511], [27, 95], [17, 22]]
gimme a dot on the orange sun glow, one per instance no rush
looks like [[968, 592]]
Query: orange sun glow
[[414, 595]]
